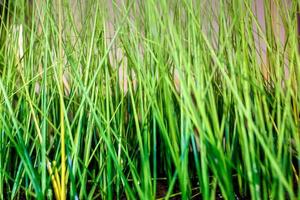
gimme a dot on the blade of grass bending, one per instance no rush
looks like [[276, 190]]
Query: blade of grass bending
[[61, 102], [20, 146]]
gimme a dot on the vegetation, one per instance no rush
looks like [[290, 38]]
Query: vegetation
[[130, 97]]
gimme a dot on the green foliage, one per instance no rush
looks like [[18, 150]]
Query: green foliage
[[198, 117]]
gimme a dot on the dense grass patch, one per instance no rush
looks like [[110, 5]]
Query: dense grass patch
[[148, 99]]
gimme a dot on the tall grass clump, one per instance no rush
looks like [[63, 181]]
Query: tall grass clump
[[152, 99]]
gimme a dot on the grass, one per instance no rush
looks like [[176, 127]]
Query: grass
[[123, 100]]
